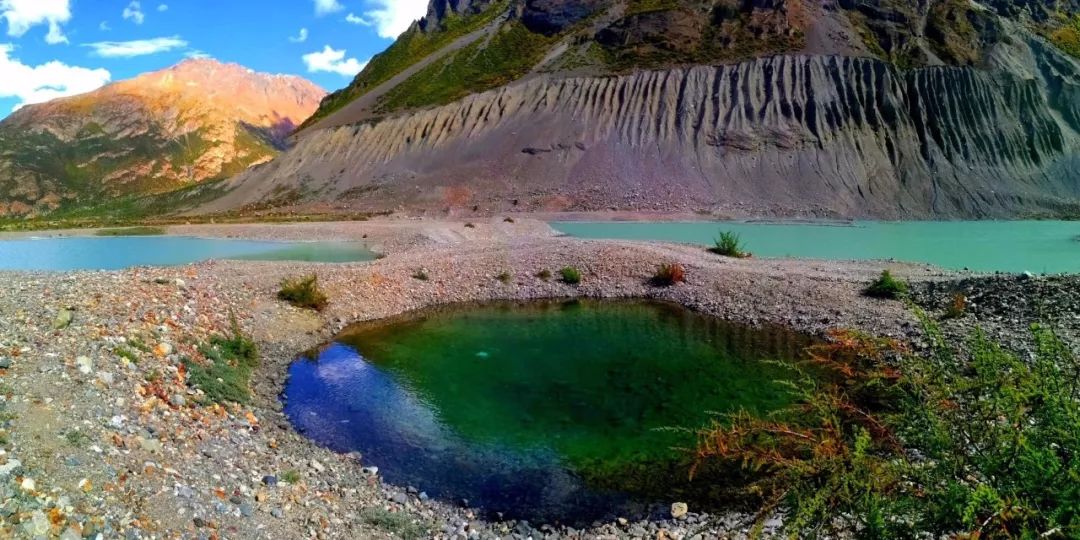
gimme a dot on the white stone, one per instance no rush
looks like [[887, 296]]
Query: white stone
[[85, 364]]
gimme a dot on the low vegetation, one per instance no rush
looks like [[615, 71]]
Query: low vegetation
[[1067, 38], [132, 231], [505, 277], [668, 275], [957, 307], [570, 275], [226, 374], [304, 292], [544, 275], [887, 287], [966, 441], [729, 244], [421, 275], [402, 524]]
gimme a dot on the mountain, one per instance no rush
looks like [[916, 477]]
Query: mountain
[[831, 108], [196, 121]]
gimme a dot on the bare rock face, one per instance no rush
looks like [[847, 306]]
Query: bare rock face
[[193, 122], [550, 17], [793, 135]]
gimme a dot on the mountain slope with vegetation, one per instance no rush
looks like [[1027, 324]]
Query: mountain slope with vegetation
[[200, 120], [841, 108]]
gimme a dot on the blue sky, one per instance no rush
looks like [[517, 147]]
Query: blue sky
[[53, 48]]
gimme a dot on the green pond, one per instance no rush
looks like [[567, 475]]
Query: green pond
[[986, 246], [548, 410], [117, 252]]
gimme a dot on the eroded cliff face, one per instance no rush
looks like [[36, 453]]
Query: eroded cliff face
[[787, 135]]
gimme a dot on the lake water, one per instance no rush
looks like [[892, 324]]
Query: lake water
[[548, 411], [987, 246], [113, 253]]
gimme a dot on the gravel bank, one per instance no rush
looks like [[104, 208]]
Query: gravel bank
[[104, 436]]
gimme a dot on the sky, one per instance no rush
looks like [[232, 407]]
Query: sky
[[56, 48]]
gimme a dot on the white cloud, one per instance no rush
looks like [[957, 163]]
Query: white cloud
[[302, 37], [104, 26], [392, 17], [133, 12], [21, 15], [138, 47], [333, 61], [163, 7], [352, 18], [36, 84], [196, 54], [326, 7]]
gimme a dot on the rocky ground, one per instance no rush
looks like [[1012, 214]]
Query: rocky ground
[[103, 438]]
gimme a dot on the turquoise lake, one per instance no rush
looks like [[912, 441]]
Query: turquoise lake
[[114, 253], [985, 246]]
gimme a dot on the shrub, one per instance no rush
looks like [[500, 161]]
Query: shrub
[[505, 277], [291, 476], [508, 220], [887, 287], [421, 275], [729, 245], [544, 275], [226, 375], [888, 444], [957, 306], [401, 524], [570, 275], [669, 274], [470, 226], [304, 293]]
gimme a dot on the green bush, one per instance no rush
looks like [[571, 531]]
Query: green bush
[[132, 231], [303, 292], [729, 245], [966, 441], [226, 375], [887, 287], [570, 275]]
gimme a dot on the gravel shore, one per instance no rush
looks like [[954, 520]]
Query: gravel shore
[[103, 435]]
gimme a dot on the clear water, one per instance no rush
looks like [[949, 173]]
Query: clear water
[[986, 246], [550, 411], [113, 253]]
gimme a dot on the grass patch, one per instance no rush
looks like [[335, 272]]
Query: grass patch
[[303, 292], [957, 307], [965, 441], [76, 438], [291, 476], [544, 275], [887, 287], [226, 375], [127, 354], [505, 277], [668, 275], [399, 523], [132, 231], [421, 275], [729, 244], [570, 275]]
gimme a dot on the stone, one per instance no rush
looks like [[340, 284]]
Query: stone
[[10, 467], [106, 378], [270, 480], [370, 471], [319, 467], [246, 510], [5, 362], [177, 400], [277, 512], [28, 484], [679, 510], [63, 319], [185, 492], [151, 445], [85, 364]]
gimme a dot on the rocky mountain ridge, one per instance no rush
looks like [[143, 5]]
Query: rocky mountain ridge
[[196, 121], [848, 120]]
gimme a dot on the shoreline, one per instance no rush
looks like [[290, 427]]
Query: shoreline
[[157, 463]]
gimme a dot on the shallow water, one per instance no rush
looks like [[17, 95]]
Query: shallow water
[[988, 246], [113, 253], [544, 410]]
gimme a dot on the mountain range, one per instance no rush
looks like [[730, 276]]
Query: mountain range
[[902, 109], [199, 120]]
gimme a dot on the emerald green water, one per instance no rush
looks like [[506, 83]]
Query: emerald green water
[[987, 246], [545, 410]]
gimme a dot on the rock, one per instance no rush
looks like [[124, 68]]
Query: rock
[[106, 378], [185, 492], [423, 496], [85, 364], [180, 284], [63, 319], [177, 400], [5, 362], [10, 467], [319, 467], [70, 534], [38, 525], [150, 444], [198, 522], [679, 510], [246, 510], [277, 512], [28, 484], [370, 471], [399, 498], [270, 480]]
